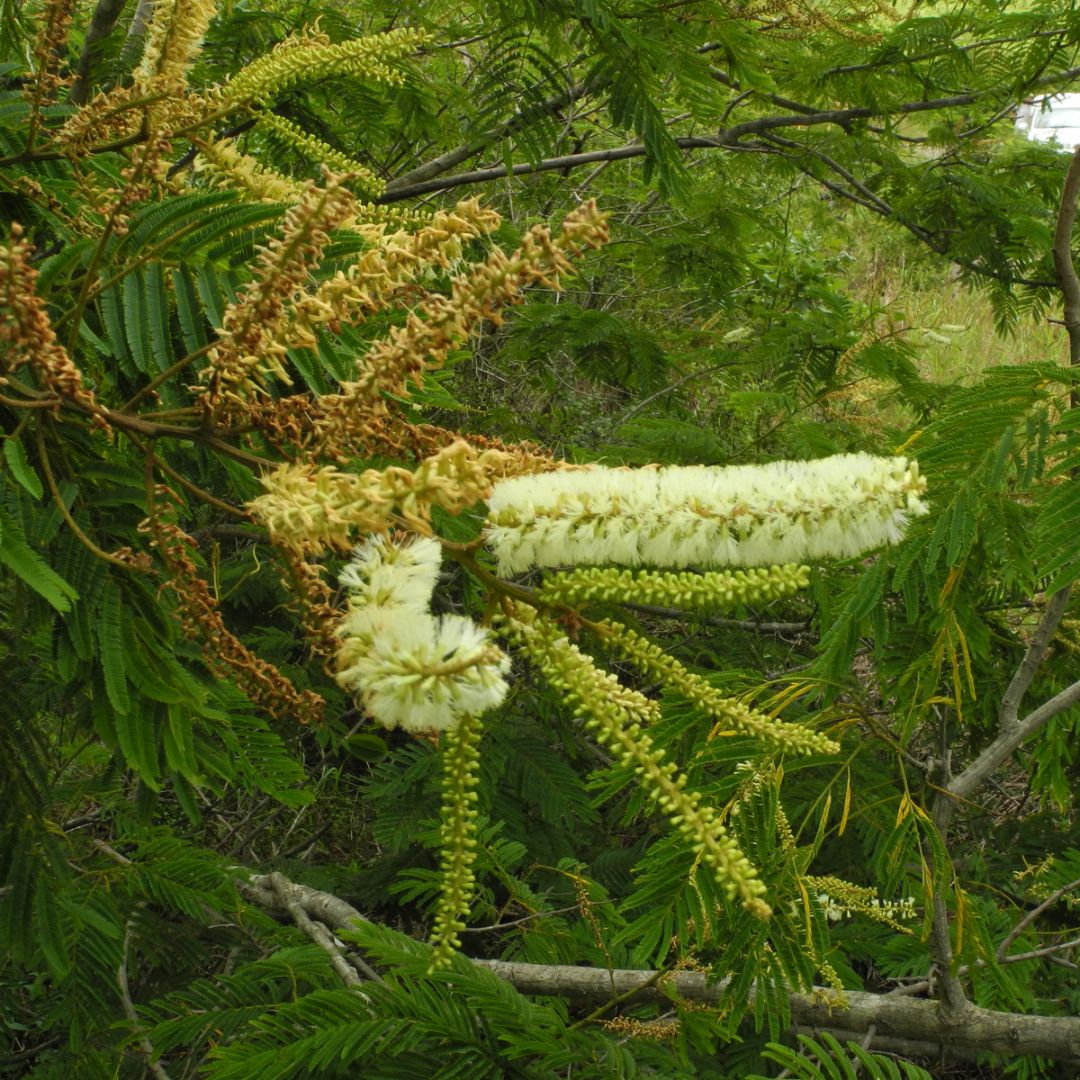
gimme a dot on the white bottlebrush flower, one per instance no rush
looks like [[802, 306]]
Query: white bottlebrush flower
[[748, 515], [388, 574], [419, 672]]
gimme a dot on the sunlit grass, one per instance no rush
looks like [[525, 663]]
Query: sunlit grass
[[950, 323]]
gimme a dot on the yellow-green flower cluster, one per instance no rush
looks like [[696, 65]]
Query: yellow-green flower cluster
[[249, 351], [321, 152], [841, 898], [438, 324], [173, 40], [411, 669], [656, 663], [397, 260], [461, 769], [311, 509], [222, 162], [748, 515], [299, 60], [617, 715], [718, 590]]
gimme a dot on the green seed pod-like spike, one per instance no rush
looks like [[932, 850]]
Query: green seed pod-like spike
[[614, 714], [653, 661], [716, 591], [295, 61], [461, 767]]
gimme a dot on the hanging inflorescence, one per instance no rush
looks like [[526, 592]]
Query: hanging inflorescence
[[427, 674]]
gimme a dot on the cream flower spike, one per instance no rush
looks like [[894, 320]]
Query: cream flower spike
[[424, 673], [748, 515], [410, 668], [383, 574]]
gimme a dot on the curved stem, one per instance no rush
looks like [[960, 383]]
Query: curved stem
[[167, 374], [188, 485], [72, 524]]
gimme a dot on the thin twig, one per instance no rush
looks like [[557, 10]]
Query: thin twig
[[65, 513], [755, 625], [1031, 916], [145, 1045], [524, 919]]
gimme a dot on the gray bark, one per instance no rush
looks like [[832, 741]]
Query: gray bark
[[970, 1031], [140, 23]]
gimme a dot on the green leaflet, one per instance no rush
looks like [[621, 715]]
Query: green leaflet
[[136, 322], [179, 743], [157, 222], [137, 734], [189, 310], [828, 1060], [27, 565], [111, 308], [157, 315], [862, 598], [49, 929], [15, 456], [110, 635], [232, 226]]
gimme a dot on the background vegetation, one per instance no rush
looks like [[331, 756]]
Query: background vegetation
[[824, 238]]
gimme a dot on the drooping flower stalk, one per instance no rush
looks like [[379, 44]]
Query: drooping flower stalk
[[617, 716], [460, 748], [424, 674], [653, 661], [312, 147]]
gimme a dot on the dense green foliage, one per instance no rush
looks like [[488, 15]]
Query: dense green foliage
[[749, 155]]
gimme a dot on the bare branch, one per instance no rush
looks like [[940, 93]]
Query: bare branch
[[1040, 640], [145, 1045], [906, 1021], [975, 1030], [101, 26], [1004, 745], [269, 893], [1032, 915], [805, 116], [508, 127], [285, 892], [1063, 263]]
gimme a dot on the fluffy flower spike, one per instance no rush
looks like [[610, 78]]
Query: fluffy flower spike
[[411, 669], [384, 574], [419, 672], [702, 516]]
